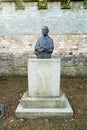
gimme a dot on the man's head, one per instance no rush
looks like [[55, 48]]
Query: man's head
[[45, 31]]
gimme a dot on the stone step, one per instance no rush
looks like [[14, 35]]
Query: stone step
[[35, 112], [35, 102]]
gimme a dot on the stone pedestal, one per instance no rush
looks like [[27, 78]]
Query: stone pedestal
[[44, 77], [44, 98]]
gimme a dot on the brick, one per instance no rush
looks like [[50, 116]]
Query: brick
[[19, 31]]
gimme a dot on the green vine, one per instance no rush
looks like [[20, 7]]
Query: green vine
[[85, 4], [65, 4], [0, 5], [42, 4], [19, 4]]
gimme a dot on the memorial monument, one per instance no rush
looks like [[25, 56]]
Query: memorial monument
[[44, 45], [44, 97]]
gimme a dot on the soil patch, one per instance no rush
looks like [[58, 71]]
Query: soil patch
[[12, 89]]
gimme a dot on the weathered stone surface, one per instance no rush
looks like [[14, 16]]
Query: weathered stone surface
[[43, 78], [35, 102], [6, 56], [75, 71], [13, 70], [59, 21], [43, 98], [59, 112], [18, 38]]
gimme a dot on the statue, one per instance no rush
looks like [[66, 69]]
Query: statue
[[44, 45], [2, 111]]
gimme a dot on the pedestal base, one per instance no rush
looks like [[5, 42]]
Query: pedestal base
[[44, 107]]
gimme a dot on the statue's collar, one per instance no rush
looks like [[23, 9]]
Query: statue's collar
[[45, 37]]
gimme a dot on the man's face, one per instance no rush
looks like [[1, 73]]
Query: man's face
[[45, 31]]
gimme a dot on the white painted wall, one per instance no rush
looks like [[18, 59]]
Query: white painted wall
[[31, 20]]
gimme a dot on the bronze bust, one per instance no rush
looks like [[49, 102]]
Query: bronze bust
[[44, 45]]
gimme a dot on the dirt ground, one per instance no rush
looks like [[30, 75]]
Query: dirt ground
[[12, 89]]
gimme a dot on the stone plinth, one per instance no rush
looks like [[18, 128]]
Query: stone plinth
[[27, 102], [44, 77], [44, 98], [44, 107]]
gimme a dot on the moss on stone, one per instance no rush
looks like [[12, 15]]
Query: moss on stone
[[0, 5], [73, 71], [65, 4], [42, 4], [19, 4]]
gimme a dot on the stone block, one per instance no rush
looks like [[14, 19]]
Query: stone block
[[43, 108], [44, 98], [32, 102], [44, 77]]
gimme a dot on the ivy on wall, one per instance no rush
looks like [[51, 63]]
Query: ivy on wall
[[0, 5], [42, 4], [85, 4], [19, 4], [65, 4]]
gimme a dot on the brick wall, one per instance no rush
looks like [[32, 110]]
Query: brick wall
[[19, 30], [31, 20]]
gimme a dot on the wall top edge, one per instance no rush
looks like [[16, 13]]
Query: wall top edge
[[28, 0], [43, 60], [38, 0]]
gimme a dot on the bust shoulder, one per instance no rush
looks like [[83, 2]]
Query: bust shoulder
[[40, 38], [51, 40]]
